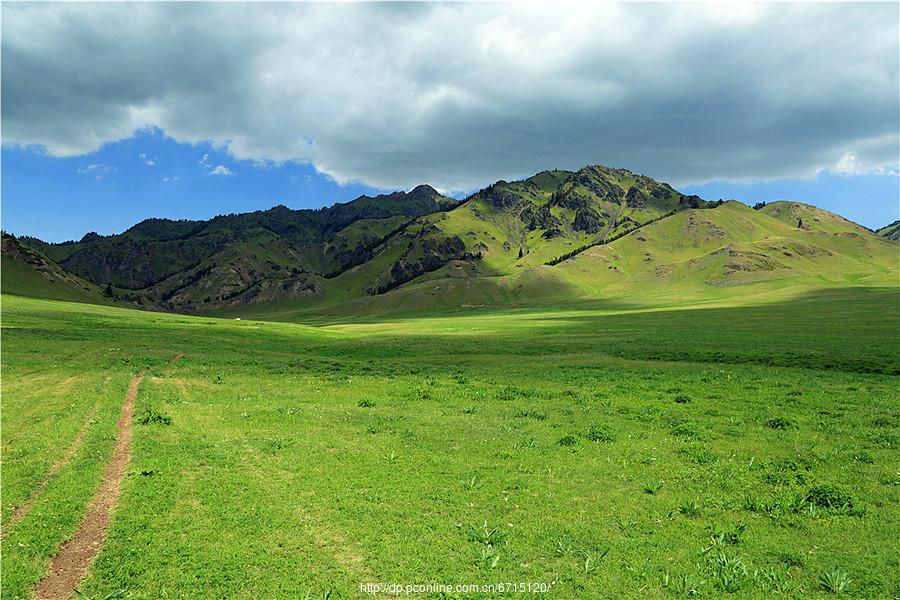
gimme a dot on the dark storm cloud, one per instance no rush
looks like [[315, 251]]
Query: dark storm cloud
[[459, 95]]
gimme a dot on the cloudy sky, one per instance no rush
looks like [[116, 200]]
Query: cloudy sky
[[116, 112]]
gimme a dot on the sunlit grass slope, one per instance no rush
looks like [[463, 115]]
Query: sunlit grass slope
[[732, 251]]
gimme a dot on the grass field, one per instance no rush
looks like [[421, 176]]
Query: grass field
[[602, 451]]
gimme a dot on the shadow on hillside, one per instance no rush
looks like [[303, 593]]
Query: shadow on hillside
[[854, 329], [837, 297], [848, 329]]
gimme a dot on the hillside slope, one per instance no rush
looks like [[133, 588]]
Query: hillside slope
[[891, 232], [236, 259], [508, 228], [25, 271], [367, 247], [705, 253], [809, 218]]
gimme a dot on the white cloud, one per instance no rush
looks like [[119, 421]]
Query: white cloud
[[169, 179], [97, 170], [458, 95], [851, 164], [847, 165], [221, 170], [147, 160]]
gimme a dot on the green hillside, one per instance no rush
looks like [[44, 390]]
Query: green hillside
[[239, 258], [368, 247], [709, 253], [506, 229], [810, 218], [25, 271]]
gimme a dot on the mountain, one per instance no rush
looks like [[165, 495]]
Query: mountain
[[25, 271], [556, 237], [729, 252], [239, 258], [891, 232]]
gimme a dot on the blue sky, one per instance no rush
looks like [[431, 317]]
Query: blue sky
[[872, 200], [148, 175], [307, 104]]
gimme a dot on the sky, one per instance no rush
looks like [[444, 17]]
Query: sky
[[115, 112]]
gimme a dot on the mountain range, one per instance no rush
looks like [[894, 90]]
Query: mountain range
[[560, 236]]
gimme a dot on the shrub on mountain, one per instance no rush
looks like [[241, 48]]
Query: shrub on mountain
[[499, 196], [535, 217], [551, 233], [570, 198], [588, 221], [635, 198]]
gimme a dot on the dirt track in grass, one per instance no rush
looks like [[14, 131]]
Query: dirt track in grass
[[71, 563]]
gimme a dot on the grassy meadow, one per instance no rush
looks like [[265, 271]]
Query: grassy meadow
[[602, 451]]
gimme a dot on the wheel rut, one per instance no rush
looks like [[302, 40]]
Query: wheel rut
[[69, 567], [23, 509]]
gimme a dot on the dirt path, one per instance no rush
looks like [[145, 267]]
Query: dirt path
[[22, 510], [71, 563], [176, 358]]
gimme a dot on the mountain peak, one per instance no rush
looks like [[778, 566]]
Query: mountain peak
[[423, 190]]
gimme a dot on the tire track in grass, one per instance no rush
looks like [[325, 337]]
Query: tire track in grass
[[71, 563], [23, 509]]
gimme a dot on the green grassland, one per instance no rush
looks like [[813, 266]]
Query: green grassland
[[614, 448]]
